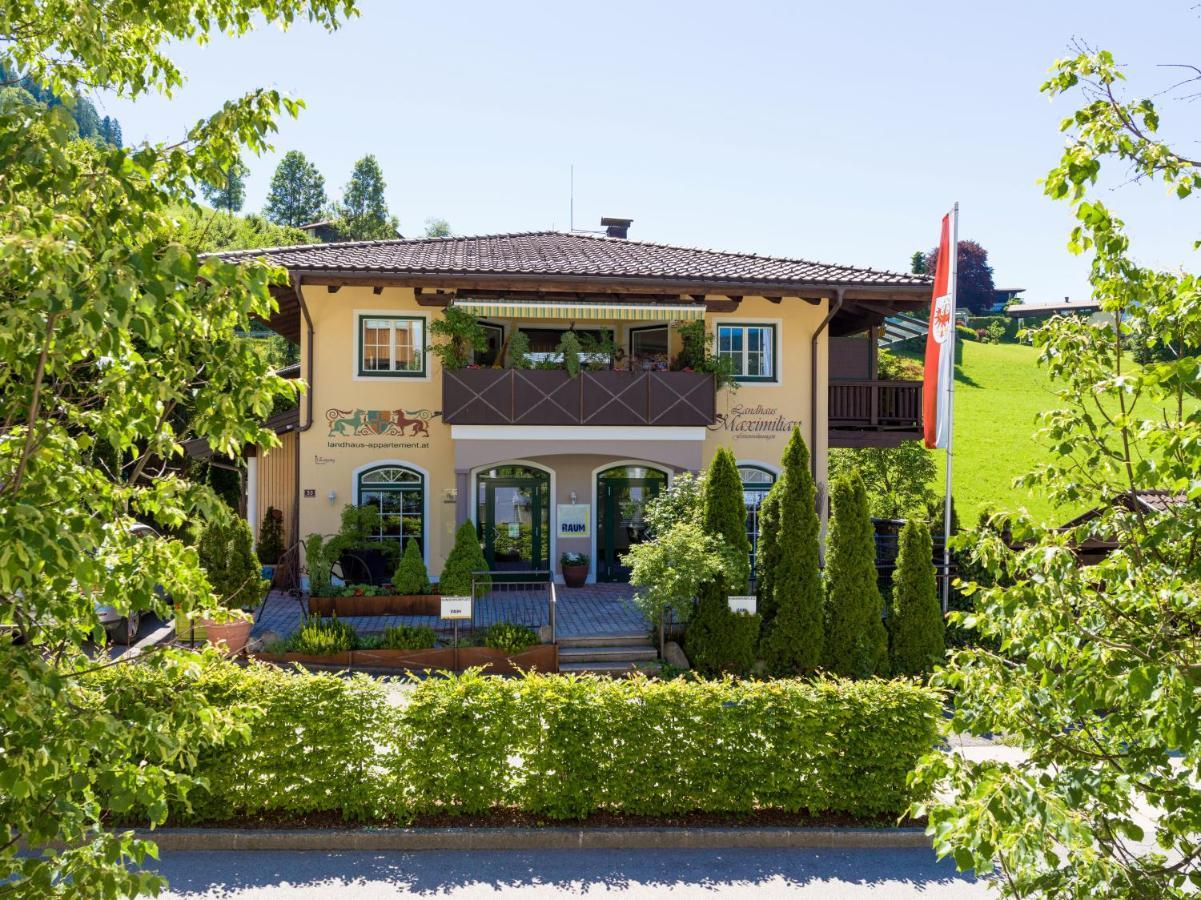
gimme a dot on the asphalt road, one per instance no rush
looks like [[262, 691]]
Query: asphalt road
[[555, 873]]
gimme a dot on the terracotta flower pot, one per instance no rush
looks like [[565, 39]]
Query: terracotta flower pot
[[233, 634], [575, 576]]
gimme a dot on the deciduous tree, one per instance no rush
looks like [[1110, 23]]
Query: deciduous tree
[[1093, 670], [974, 282], [897, 478], [363, 213], [297, 195], [227, 189], [109, 327]]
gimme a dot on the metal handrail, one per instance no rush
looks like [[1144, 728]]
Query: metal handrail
[[552, 598]]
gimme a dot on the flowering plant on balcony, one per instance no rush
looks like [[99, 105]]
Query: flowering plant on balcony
[[696, 355]]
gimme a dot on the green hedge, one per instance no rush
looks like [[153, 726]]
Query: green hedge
[[556, 746]]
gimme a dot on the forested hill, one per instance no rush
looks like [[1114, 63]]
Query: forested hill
[[16, 89]]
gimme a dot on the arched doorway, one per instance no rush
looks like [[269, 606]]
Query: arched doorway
[[622, 493], [513, 516]]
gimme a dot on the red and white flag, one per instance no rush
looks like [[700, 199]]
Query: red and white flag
[[940, 345]]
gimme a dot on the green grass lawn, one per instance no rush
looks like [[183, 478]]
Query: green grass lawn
[[999, 390]]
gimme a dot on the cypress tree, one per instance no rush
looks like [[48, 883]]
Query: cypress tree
[[465, 557], [794, 643], [915, 620], [767, 556], [856, 640], [717, 639]]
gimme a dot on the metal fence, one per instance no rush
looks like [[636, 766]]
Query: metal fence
[[522, 597]]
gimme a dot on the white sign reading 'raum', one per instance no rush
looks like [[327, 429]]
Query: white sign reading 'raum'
[[574, 520], [456, 607], [742, 604]]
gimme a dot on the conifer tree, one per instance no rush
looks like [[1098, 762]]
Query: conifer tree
[[915, 624], [228, 194], [856, 640], [794, 643], [717, 639], [767, 554], [465, 557], [297, 195]]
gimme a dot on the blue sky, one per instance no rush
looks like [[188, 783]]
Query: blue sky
[[834, 132]]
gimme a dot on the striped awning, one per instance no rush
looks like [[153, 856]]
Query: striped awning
[[566, 309]]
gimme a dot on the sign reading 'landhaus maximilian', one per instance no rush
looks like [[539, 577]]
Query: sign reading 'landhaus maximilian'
[[756, 421]]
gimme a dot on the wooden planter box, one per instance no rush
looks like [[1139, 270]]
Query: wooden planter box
[[540, 658], [388, 605]]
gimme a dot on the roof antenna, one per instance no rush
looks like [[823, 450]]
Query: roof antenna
[[571, 213]]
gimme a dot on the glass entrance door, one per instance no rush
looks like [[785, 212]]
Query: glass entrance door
[[514, 518], [622, 494]]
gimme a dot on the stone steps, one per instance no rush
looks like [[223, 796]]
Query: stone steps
[[615, 668], [642, 639]]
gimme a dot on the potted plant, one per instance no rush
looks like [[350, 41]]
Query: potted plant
[[575, 568], [271, 541], [461, 336], [226, 550]]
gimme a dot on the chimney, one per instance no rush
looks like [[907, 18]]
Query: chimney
[[618, 228]]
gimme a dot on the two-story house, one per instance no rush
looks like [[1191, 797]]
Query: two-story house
[[543, 461]]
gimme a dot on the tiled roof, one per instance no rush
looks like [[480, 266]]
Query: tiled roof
[[546, 254]]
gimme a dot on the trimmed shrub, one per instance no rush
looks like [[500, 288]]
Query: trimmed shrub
[[271, 537], [408, 637], [306, 745], [710, 639], [915, 623], [465, 557], [411, 576], [566, 747], [226, 550], [856, 640], [794, 642], [552, 746], [509, 637]]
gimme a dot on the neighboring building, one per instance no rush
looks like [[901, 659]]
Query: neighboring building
[[543, 462], [1002, 297], [1151, 503], [1030, 314]]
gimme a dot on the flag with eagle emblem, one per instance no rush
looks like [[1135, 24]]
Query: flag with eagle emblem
[[940, 346]]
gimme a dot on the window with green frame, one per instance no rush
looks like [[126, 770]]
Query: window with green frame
[[750, 348], [392, 346], [399, 495]]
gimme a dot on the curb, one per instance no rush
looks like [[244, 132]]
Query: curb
[[413, 839]]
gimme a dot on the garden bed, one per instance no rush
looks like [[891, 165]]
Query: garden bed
[[539, 658], [383, 605]]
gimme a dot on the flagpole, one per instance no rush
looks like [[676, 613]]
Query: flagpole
[[946, 514]]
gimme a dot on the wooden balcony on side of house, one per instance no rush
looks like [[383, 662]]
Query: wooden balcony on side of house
[[553, 397], [873, 413]]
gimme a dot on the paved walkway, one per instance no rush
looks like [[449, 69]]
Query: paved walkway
[[597, 609], [643, 874]]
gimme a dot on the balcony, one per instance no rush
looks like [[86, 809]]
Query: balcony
[[874, 413], [553, 397]]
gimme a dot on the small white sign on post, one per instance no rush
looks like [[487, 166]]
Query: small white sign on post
[[742, 604], [456, 607]]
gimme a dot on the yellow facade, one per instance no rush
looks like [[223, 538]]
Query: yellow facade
[[754, 422]]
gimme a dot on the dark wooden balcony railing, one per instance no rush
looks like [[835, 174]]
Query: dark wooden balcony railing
[[860, 408], [552, 397]]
